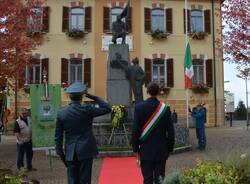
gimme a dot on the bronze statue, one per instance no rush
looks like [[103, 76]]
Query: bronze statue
[[134, 74], [120, 28]]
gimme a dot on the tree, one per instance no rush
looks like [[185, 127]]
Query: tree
[[240, 112], [16, 47], [236, 36]]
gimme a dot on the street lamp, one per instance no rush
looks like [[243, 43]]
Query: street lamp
[[244, 74]]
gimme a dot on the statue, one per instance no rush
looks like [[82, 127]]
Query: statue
[[134, 74], [120, 28]]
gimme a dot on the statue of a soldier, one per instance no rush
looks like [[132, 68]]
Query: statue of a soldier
[[134, 74], [120, 28]]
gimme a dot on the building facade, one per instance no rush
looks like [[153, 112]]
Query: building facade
[[76, 48]]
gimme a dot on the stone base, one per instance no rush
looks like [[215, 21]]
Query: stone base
[[118, 87], [102, 133]]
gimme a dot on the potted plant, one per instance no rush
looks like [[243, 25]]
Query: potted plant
[[200, 88], [75, 33], [198, 35], [159, 35]]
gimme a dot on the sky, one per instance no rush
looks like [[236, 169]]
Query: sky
[[235, 85]]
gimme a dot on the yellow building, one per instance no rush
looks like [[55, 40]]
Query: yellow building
[[67, 58]]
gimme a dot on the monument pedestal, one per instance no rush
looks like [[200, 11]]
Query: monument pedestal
[[118, 86]]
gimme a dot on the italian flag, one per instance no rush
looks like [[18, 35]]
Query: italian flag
[[189, 72]]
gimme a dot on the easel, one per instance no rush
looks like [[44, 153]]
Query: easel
[[113, 133]]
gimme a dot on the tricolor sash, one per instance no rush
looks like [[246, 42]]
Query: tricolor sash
[[153, 120]]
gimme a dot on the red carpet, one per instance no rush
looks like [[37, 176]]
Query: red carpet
[[120, 171]]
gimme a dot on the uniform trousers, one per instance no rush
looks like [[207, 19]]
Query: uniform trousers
[[153, 171], [79, 171]]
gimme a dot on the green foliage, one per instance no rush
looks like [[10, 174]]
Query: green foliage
[[159, 35], [198, 35], [6, 177], [235, 169], [119, 115], [75, 33], [240, 112], [174, 178], [211, 173]]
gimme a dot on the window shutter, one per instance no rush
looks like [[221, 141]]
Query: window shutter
[[170, 73], [147, 20], [169, 20], [207, 18], [64, 71], [45, 19], [45, 66], [88, 15], [129, 20], [148, 69], [106, 19], [209, 73], [188, 19], [87, 72], [65, 19]]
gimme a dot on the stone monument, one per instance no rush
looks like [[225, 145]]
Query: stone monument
[[118, 86]]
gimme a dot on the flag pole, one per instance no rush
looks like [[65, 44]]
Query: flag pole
[[186, 42]]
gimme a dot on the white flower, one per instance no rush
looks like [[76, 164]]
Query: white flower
[[243, 156]]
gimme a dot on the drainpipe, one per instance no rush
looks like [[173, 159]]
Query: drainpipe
[[214, 64]]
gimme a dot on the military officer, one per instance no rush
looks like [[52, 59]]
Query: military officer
[[75, 121], [152, 135]]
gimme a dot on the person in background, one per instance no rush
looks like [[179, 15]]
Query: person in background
[[174, 117], [152, 135], [199, 114], [23, 132], [205, 109], [75, 122]]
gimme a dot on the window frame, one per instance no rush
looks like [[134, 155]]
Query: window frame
[[80, 63], [30, 21], [164, 18], [70, 18], [202, 18], [204, 71], [158, 66]]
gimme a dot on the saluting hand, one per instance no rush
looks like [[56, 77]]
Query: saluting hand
[[91, 96]]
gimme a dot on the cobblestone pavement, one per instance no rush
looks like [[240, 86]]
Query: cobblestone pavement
[[220, 142]]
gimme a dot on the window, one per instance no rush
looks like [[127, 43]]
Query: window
[[77, 18], [197, 21], [198, 66], [75, 73], [157, 20], [159, 74], [35, 20]]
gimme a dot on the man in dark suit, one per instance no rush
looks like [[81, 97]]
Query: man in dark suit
[[152, 135], [75, 121]]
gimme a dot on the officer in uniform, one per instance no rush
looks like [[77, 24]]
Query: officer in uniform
[[152, 149], [75, 121]]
